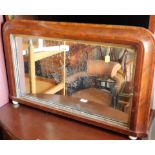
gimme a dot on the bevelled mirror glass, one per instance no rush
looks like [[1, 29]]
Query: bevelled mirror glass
[[91, 79]]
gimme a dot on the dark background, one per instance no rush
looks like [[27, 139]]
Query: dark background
[[132, 20]]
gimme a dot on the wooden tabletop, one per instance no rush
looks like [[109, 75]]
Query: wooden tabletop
[[22, 122]]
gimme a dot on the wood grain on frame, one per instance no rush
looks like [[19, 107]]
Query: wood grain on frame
[[139, 38]]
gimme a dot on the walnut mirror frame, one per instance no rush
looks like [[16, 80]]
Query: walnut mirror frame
[[139, 39]]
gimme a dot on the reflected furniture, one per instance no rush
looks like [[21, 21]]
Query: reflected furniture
[[35, 55], [104, 70]]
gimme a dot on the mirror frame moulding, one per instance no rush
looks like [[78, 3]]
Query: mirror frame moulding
[[141, 39]]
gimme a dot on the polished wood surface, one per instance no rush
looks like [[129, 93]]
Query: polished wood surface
[[22, 122], [27, 123], [139, 38]]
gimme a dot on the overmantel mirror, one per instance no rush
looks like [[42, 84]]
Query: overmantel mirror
[[98, 74]]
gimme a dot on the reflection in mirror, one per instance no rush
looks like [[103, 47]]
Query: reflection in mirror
[[93, 78]]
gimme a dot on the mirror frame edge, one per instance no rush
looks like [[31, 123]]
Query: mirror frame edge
[[139, 37]]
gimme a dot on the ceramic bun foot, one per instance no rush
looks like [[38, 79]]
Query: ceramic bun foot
[[132, 137], [15, 102]]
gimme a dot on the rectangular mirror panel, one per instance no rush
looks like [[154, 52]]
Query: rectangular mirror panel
[[91, 78]]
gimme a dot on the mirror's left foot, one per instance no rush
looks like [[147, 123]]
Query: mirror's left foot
[[133, 138]]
